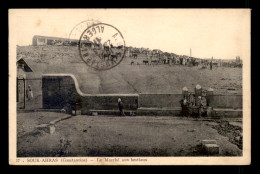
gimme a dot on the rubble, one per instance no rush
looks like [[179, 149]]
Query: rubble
[[234, 133]]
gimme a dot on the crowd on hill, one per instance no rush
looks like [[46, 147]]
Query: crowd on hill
[[157, 56]]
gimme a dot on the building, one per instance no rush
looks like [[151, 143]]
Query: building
[[238, 61], [22, 68], [46, 40]]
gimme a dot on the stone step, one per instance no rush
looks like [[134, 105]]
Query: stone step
[[48, 128], [159, 111], [60, 119], [204, 142], [94, 112], [211, 149], [215, 117], [37, 110], [228, 113]]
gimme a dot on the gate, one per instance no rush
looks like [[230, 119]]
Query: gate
[[22, 99], [20, 93], [52, 93]]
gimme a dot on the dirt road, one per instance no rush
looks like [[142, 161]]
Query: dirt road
[[125, 136]]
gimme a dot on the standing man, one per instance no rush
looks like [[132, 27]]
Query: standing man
[[184, 106], [121, 107], [181, 61]]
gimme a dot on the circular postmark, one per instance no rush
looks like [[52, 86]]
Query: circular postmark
[[101, 46], [77, 30]]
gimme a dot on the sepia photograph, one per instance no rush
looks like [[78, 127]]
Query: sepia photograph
[[129, 86]]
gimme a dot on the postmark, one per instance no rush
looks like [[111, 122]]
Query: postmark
[[77, 30], [101, 46]]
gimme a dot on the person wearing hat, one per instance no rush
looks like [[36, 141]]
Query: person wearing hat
[[211, 65], [184, 106], [121, 107]]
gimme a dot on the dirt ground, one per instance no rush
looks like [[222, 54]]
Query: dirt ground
[[26, 122], [121, 136]]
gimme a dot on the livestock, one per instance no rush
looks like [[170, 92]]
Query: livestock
[[119, 54], [145, 62], [106, 48], [113, 57], [155, 62], [120, 47], [134, 55], [104, 55]]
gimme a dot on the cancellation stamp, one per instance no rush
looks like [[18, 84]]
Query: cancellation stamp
[[78, 29], [101, 46]]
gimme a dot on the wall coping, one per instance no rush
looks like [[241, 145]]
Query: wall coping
[[182, 94], [160, 93]]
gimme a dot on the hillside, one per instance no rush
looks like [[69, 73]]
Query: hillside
[[126, 78]]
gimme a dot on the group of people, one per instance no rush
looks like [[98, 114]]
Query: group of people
[[191, 103], [180, 60]]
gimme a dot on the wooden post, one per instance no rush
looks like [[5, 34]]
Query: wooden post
[[185, 92], [75, 108], [24, 93], [17, 90]]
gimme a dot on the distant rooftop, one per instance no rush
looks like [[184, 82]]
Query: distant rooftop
[[54, 38]]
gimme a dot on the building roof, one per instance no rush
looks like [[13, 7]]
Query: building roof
[[27, 68], [55, 38]]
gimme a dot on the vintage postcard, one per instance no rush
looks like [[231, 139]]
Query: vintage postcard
[[129, 87]]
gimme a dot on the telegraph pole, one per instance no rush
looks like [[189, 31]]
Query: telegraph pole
[[190, 52], [211, 63]]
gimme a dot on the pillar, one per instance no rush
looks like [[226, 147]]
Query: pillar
[[185, 92], [198, 92], [210, 92]]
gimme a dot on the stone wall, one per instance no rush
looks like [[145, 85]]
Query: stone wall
[[227, 101], [108, 102], [61, 91], [159, 100], [58, 92]]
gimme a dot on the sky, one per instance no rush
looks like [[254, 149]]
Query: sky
[[221, 33]]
